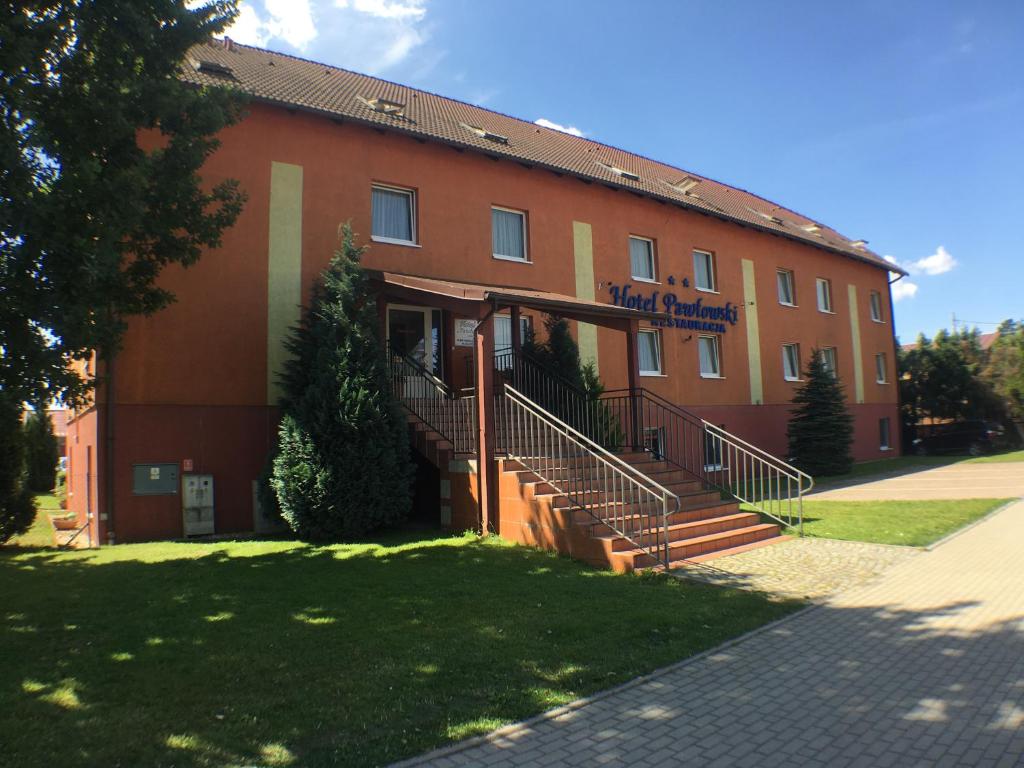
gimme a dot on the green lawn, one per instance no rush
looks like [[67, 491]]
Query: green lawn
[[278, 653], [997, 458], [41, 532], [899, 464], [913, 523]]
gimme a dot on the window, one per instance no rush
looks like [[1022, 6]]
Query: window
[[828, 361], [713, 452], [654, 441], [704, 271], [649, 344], [503, 333], [710, 364], [394, 215], [883, 434], [787, 295], [876, 306], [880, 368], [641, 258], [508, 234], [791, 362], [824, 295]]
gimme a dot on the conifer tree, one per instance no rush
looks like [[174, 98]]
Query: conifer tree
[[41, 452], [820, 428], [342, 465], [17, 508]]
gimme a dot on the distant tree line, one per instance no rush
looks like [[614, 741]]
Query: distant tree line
[[953, 377]]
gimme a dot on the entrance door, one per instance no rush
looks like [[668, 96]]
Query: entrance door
[[416, 333]]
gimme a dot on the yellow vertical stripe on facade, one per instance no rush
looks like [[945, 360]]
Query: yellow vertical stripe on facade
[[858, 366], [284, 262], [753, 333], [583, 255]]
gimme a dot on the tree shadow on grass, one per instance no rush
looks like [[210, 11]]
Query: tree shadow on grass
[[277, 653]]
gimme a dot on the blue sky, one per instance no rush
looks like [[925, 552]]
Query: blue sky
[[899, 123]]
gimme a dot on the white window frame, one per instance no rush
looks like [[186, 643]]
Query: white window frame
[[657, 352], [718, 357], [818, 282], [650, 252], [526, 246], [712, 271], [875, 302], [881, 368], [886, 444], [792, 286], [785, 359], [823, 354], [413, 228], [658, 435]]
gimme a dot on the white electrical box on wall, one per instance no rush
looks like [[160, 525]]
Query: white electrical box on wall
[[197, 504]]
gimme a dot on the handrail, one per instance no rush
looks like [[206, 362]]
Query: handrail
[[718, 458], [432, 402], [593, 479]]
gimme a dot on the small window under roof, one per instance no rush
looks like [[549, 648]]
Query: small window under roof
[[208, 67], [483, 133], [858, 243], [619, 171], [763, 215]]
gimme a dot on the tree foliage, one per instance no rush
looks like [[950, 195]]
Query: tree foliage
[[342, 465], [1004, 367], [40, 452], [17, 508], [821, 427], [100, 148]]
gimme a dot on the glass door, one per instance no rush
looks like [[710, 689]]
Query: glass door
[[416, 333]]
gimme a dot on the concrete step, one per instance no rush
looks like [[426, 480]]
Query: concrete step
[[700, 545]]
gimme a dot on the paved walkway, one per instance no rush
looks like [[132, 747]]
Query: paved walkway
[[953, 481], [924, 666], [803, 568]]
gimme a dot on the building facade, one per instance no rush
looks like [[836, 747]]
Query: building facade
[[732, 293]]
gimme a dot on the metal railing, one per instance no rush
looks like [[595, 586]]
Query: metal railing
[[591, 478], [716, 457], [557, 395], [449, 414]]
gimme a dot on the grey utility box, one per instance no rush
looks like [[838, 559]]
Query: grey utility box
[[154, 479], [197, 504]]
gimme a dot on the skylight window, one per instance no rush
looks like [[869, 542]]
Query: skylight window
[[763, 215], [684, 184], [483, 133], [385, 106], [619, 171], [208, 67]]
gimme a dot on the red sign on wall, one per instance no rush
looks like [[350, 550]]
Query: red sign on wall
[[186, 465]]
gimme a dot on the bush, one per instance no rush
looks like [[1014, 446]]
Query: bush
[[17, 508], [342, 465], [821, 428]]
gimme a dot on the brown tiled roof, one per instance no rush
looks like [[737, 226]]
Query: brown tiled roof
[[338, 93]]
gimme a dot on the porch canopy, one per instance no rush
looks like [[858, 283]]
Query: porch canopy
[[479, 301]]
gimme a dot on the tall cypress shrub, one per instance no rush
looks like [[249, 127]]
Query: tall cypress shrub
[[17, 508], [342, 465], [820, 427], [41, 452]]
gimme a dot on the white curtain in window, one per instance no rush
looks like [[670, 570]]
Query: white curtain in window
[[392, 214], [828, 360], [880, 368], [785, 287], [876, 306], [791, 361], [824, 297], [708, 348], [507, 234], [641, 259], [703, 274], [650, 359], [502, 334]]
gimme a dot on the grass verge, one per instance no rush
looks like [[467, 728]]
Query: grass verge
[[277, 653], [911, 523]]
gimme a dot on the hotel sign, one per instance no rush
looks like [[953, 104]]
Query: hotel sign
[[685, 315]]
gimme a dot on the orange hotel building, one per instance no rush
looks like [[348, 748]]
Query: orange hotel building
[[722, 294]]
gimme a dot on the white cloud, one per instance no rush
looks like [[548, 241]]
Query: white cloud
[[571, 129], [288, 20], [903, 289], [382, 9], [938, 263]]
